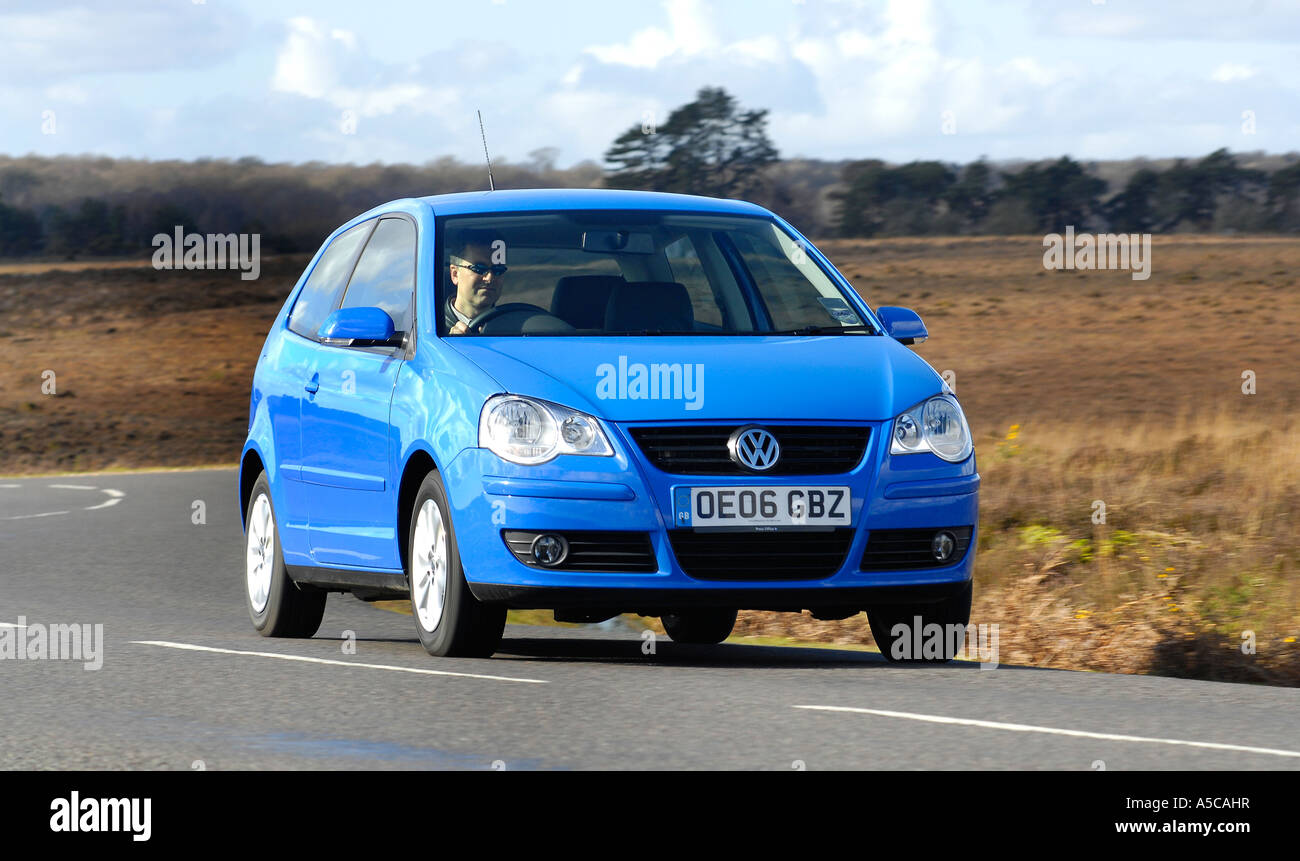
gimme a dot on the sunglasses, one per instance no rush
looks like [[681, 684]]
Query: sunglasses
[[496, 269]]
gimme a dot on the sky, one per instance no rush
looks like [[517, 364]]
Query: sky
[[362, 81]]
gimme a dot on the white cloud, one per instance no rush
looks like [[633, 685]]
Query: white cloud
[[691, 28], [689, 33], [764, 49], [646, 49], [849, 79], [318, 63], [1226, 73], [878, 79], [308, 62]]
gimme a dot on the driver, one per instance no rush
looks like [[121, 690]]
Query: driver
[[476, 278]]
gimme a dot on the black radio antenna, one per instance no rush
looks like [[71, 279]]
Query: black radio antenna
[[491, 185]]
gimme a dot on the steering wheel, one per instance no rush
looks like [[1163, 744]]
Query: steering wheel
[[501, 310]]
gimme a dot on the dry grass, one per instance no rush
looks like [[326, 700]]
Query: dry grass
[[1195, 550]]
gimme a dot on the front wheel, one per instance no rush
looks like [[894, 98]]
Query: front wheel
[[936, 640], [277, 606], [701, 627], [450, 621]]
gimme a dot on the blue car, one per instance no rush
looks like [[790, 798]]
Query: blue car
[[599, 402]]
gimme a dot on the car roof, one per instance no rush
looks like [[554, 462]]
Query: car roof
[[538, 199]]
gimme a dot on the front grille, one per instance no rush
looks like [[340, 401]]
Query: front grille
[[903, 549], [702, 449], [707, 555], [590, 550]]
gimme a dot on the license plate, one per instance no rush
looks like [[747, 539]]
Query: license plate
[[716, 507]]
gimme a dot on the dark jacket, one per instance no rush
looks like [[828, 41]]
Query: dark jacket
[[449, 317]]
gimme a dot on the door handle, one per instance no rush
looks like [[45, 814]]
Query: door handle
[[313, 387]]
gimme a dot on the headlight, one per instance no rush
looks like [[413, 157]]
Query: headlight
[[528, 431], [937, 425]]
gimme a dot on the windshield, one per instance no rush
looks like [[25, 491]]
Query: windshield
[[633, 273]]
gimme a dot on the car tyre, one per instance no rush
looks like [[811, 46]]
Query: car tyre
[[450, 621], [700, 627], [953, 610], [277, 606]]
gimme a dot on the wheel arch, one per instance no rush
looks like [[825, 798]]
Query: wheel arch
[[251, 466], [419, 463]]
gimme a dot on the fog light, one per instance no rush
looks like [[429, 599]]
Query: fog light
[[943, 545], [550, 550]]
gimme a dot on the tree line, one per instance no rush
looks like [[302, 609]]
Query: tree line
[[74, 207], [1211, 194], [711, 146]]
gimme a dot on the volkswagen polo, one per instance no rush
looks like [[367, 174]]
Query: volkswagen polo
[[598, 402]]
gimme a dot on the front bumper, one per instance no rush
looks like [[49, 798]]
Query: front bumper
[[624, 493]]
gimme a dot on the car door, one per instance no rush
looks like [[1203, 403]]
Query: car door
[[286, 369], [345, 419]]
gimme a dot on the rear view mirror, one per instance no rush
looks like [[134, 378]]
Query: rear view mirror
[[360, 327], [618, 242], [902, 324]]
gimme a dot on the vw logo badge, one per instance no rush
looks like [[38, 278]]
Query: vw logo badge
[[753, 448]]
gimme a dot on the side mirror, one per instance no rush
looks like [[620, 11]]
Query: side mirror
[[360, 327], [902, 324]]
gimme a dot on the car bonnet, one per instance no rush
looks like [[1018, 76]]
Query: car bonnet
[[833, 378]]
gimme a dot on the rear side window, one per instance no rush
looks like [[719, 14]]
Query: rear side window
[[385, 274], [321, 292]]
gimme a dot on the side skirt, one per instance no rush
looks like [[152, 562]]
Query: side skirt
[[366, 585]]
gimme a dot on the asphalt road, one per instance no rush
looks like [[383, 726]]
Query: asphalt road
[[186, 682]]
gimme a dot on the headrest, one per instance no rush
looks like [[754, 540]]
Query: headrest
[[649, 305], [580, 300]]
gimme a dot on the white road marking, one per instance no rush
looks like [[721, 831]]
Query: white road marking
[[11, 625], [114, 497], [1019, 727], [42, 514], [10, 486], [332, 662]]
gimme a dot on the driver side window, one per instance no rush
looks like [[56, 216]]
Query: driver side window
[[385, 274], [326, 281]]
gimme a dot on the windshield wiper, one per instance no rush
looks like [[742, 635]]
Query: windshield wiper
[[829, 330]]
